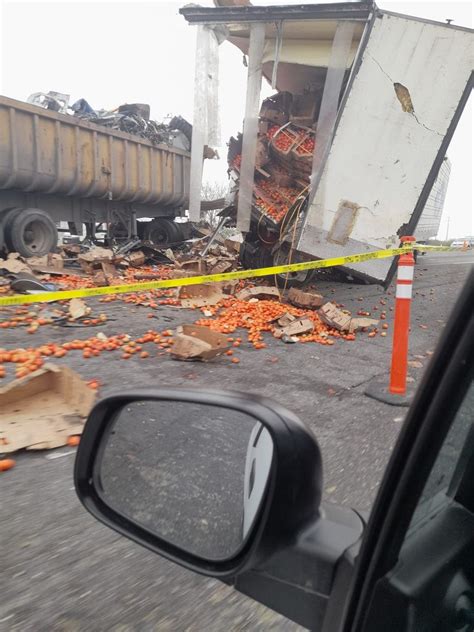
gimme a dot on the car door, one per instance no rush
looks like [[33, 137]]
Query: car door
[[410, 567]]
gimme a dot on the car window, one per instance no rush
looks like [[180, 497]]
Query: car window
[[435, 492]]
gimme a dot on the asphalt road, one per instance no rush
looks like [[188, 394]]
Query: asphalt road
[[63, 571]]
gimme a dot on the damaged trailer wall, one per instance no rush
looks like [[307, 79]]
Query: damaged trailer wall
[[404, 96]]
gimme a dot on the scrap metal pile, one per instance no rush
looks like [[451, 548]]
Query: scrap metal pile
[[132, 118], [285, 147]]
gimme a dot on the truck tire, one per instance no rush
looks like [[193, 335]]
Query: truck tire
[[253, 254], [6, 218], [290, 279], [162, 232], [118, 232], [32, 233]]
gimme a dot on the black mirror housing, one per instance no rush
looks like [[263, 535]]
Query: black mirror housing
[[292, 498]]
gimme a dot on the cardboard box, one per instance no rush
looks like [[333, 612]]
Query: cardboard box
[[55, 261], [305, 107], [334, 317], [42, 410], [224, 265], [96, 255], [195, 342], [200, 295], [261, 291], [136, 259], [232, 245], [194, 265], [272, 114], [295, 328], [305, 300]]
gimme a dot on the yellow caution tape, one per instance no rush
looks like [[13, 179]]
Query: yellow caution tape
[[43, 297]]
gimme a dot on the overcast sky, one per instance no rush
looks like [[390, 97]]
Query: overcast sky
[[112, 52]]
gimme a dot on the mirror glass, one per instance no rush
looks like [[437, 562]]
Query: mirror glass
[[193, 474]]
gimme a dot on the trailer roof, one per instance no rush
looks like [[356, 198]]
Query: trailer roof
[[321, 11], [337, 11]]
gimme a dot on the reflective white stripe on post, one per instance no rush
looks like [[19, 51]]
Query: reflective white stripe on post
[[405, 273], [404, 290]]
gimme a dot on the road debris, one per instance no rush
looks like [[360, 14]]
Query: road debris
[[47, 407], [296, 327], [308, 300], [335, 317], [77, 308], [7, 464], [194, 342], [200, 295], [262, 291]]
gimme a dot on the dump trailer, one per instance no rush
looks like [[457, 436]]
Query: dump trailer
[[344, 156], [58, 168]]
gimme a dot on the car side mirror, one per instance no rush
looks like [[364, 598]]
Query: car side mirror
[[216, 481]]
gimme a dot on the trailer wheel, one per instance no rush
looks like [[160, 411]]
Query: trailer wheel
[[253, 254], [32, 233], [5, 216], [184, 230], [118, 231], [6, 220], [162, 232], [290, 279]]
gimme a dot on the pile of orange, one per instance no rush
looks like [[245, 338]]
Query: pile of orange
[[260, 316]]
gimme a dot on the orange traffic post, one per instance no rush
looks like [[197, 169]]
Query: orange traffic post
[[395, 393], [401, 328]]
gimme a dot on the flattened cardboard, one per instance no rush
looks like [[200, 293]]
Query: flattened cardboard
[[361, 323], [173, 274], [34, 262], [200, 295], [42, 410], [261, 291], [305, 300], [14, 265], [110, 273], [77, 308], [195, 342]]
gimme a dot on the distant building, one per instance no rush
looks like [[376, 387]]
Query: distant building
[[428, 224]]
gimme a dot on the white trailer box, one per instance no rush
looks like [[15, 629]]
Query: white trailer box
[[392, 89]]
